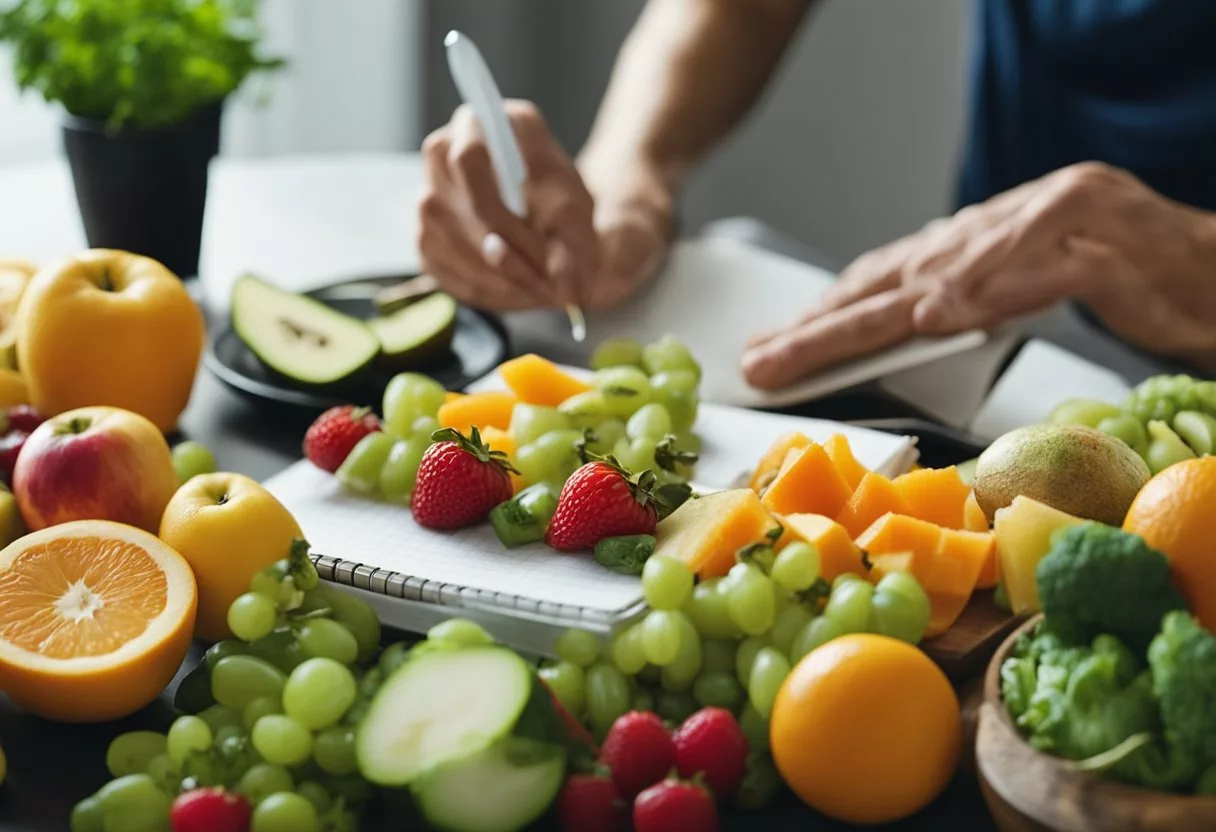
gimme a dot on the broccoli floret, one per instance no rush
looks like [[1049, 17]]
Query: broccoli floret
[[1098, 579], [1183, 662]]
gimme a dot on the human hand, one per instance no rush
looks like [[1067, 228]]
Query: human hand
[[1145, 265], [481, 253]]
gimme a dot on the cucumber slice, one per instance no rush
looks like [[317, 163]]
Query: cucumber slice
[[300, 338], [447, 705], [417, 333], [502, 789]]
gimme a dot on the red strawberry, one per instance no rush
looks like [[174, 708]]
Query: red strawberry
[[600, 500], [590, 803], [211, 810], [459, 480], [711, 743], [675, 806], [331, 437], [24, 417], [639, 751]]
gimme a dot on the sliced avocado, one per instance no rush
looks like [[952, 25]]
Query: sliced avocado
[[416, 333], [300, 338]]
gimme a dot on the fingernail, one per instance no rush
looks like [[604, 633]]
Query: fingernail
[[493, 247]]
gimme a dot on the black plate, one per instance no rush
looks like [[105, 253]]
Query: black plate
[[479, 345]]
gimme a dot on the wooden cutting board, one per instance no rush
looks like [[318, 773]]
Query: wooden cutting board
[[963, 651]]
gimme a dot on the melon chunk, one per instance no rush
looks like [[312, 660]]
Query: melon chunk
[[1023, 532], [974, 519], [883, 565], [537, 380], [875, 496], [838, 450], [807, 483], [478, 409], [958, 561], [774, 457], [705, 533], [937, 495], [837, 552], [900, 533]]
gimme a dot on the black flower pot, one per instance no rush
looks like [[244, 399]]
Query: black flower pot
[[144, 190]]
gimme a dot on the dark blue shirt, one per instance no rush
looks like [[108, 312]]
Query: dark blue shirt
[[1127, 82]]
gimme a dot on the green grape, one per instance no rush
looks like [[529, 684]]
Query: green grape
[[392, 658], [219, 716], [683, 406], [709, 610], [460, 631], [667, 354], [627, 651], [677, 391], [849, 605], [87, 816], [227, 647], [755, 728], [1129, 429], [606, 434], [259, 708], [768, 673], [131, 752], [318, 692], [640, 456], [651, 421], [578, 647], [282, 740], [623, 390], [238, 680], [900, 608], [660, 637], [408, 396], [1197, 429], [843, 578], [684, 381], [568, 683], [400, 469], [789, 624], [607, 694], [1165, 447], [796, 566], [187, 734], [262, 780], [131, 801], [749, 599], [558, 451], [285, 812], [351, 612], [161, 769], [681, 673], [280, 648], [1205, 393], [315, 793], [530, 422], [251, 616], [675, 706], [584, 410], [717, 689], [666, 583], [533, 465], [1087, 412], [688, 441], [190, 459], [643, 701], [617, 352], [324, 638], [745, 656], [424, 426], [821, 630], [334, 750], [718, 655], [360, 471]]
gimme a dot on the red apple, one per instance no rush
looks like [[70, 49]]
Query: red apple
[[94, 463]]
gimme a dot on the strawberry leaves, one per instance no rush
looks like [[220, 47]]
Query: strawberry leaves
[[473, 444]]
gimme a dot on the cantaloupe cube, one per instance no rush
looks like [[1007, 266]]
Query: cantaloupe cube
[[874, 497], [944, 610], [883, 565], [478, 409], [501, 440], [957, 564], [974, 519], [841, 454], [537, 380], [774, 457], [900, 533], [837, 552], [706, 532], [937, 495], [808, 483]]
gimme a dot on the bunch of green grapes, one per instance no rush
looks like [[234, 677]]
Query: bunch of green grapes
[[1166, 419], [385, 464], [268, 715], [727, 642]]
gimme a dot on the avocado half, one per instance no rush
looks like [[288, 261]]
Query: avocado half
[[417, 333], [298, 337]]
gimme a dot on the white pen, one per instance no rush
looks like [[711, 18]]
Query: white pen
[[479, 90]]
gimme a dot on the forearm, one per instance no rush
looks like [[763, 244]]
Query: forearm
[[688, 73]]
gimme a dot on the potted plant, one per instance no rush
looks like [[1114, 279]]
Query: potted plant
[[142, 84]]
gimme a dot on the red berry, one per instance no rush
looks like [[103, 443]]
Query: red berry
[[590, 803], [638, 751], [459, 480], [675, 806], [331, 437], [24, 417], [711, 743], [211, 810], [598, 501], [11, 444]]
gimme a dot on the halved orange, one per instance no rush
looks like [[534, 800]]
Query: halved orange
[[95, 619]]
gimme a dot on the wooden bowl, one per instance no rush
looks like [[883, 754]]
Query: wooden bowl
[[1030, 791]]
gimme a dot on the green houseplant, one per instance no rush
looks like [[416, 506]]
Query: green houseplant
[[142, 85]]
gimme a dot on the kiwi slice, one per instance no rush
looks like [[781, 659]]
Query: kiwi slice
[[417, 333], [298, 337]]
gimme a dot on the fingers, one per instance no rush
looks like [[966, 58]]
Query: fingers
[[869, 324]]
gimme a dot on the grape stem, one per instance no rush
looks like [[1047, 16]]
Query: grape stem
[[667, 457]]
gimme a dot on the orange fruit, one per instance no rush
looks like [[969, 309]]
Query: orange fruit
[[96, 620], [1174, 514], [866, 729], [110, 328]]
